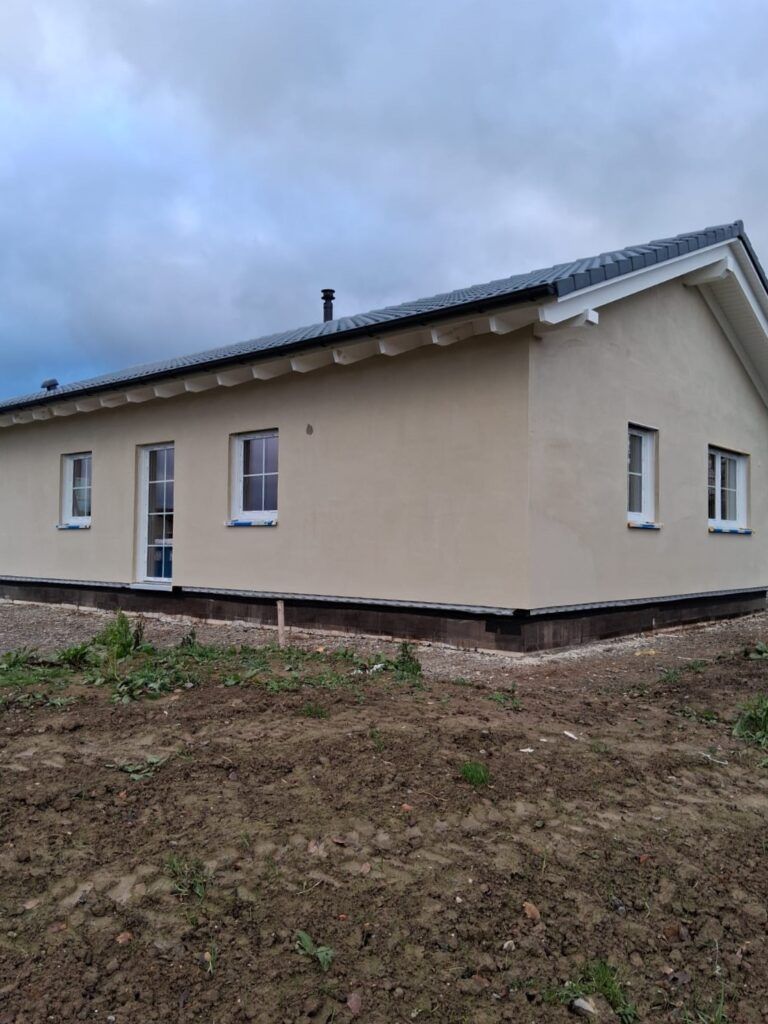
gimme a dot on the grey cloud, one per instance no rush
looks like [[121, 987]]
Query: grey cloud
[[183, 173]]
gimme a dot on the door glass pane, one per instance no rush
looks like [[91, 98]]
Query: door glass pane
[[159, 513], [157, 464], [156, 498]]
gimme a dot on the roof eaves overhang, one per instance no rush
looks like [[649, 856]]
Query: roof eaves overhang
[[500, 315]]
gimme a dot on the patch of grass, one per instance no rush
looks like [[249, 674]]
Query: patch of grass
[[714, 1014], [475, 773], [598, 747], [758, 653], [21, 658], [752, 723], [406, 665], [189, 875], [306, 946], [670, 676], [377, 739], [697, 665], [140, 770], [597, 978], [314, 711], [704, 716], [506, 699]]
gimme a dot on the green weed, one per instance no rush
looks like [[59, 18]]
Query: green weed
[[475, 774], [598, 747], [210, 957], [758, 653], [752, 723], [670, 676], [507, 699], [406, 665], [117, 636], [597, 978], [140, 770], [189, 875], [314, 711], [323, 954]]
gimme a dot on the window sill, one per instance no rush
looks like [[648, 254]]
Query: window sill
[[152, 585], [251, 522], [643, 526], [73, 526], [743, 531]]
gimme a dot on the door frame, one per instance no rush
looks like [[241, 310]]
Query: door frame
[[142, 511]]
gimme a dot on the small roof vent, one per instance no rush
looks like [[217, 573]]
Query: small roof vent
[[50, 385], [328, 296]]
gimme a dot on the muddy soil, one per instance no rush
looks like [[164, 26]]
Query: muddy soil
[[622, 824]]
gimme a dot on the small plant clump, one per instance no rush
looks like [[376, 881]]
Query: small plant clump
[[406, 665], [140, 770], [314, 711], [118, 638], [507, 699], [306, 946], [189, 875], [597, 978], [758, 653], [475, 774], [752, 723]]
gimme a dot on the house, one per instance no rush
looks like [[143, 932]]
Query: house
[[575, 452]]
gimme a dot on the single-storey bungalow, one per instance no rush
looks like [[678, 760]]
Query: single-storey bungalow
[[574, 452]]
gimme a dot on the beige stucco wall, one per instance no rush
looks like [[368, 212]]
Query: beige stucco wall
[[659, 360], [412, 485]]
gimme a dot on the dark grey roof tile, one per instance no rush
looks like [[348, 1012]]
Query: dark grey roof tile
[[560, 280]]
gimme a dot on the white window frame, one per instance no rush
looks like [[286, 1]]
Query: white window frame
[[742, 462], [647, 513], [237, 459], [142, 502], [67, 486]]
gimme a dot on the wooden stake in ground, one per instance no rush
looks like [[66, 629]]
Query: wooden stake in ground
[[281, 623]]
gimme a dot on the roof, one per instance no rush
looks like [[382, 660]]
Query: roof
[[559, 280]]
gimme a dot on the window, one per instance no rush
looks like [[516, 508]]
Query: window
[[254, 477], [641, 475], [76, 489], [727, 489]]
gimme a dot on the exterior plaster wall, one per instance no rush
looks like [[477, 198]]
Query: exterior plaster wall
[[659, 360], [412, 485]]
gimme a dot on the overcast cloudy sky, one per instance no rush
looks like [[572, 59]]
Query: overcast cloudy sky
[[178, 174]]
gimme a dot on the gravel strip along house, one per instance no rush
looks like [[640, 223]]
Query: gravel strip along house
[[575, 452]]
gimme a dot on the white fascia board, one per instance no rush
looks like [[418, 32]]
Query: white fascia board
[[617, 288]]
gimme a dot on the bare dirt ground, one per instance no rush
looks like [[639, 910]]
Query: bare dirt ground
[[158, 857]]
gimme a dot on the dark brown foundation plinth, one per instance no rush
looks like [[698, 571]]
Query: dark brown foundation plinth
[[516, 631]]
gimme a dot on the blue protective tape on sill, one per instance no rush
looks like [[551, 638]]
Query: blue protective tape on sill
[[247, 522], [73, 526], [744, 531], [644, 526]]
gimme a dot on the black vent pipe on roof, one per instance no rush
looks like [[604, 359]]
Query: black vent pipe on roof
[[328, 296]]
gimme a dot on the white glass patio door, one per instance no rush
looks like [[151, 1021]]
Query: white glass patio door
[[155, 548]]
